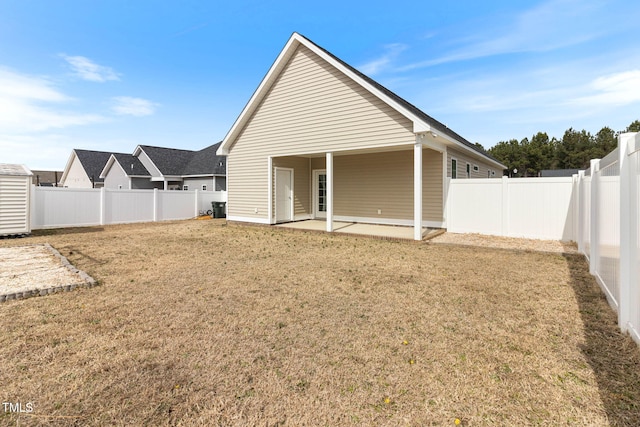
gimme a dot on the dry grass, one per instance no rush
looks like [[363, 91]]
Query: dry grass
[[197, 323]]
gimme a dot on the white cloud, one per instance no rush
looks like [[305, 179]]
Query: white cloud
[[26, 105], [126, 105], [618, 89], [549, 26], [375, 66], [89, 70]]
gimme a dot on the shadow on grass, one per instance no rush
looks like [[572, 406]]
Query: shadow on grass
[[63, 231], [613, 356]]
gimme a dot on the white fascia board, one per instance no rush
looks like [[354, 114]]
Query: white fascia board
[[465, 147], [206, 175], [259, 93], [107, 166], [166, 178], [68, 166], [138, 151]]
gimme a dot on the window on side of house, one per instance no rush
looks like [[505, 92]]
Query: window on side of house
[[476, 168], [185, 187], [468, 170], [204, 188], [454, 168], [488, 173]]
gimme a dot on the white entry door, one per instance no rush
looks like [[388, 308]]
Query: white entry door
[[320, 193], [284, 195]]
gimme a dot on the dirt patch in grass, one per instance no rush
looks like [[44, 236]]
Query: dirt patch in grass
[[198, 323]]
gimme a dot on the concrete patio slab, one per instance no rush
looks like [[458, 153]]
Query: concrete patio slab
[[373, 230]]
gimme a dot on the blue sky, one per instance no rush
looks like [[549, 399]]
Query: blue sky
[[109, 75]]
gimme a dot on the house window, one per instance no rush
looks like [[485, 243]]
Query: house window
[[185, 187], [493, 173], [204, 188], [454, 168], [476, 168], [468, 170], [119, 187], [488, 174]]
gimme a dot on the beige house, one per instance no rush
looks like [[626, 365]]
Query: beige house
[[319, 139]]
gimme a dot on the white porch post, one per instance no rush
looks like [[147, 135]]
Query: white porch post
[[329, 191], [166, 184], [417, 191]]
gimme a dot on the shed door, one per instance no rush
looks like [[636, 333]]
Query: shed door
[[284, 195]]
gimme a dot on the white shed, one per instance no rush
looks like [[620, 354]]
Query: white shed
[[15, 203]]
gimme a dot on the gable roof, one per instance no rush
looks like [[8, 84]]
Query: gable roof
[[169, 161], [130, 164], [93, 162], [422, 122], [206, 162], [177, 162]]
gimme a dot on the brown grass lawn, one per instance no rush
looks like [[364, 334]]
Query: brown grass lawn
[[199, 323]]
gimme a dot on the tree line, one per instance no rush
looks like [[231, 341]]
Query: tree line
[[573, 151]]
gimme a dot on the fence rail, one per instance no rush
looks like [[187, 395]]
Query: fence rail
[[78, 207]]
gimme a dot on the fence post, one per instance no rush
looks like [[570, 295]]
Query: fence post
[[103, 205], [594, 244], [504, 227], [197, 204], [628, 232], [155, 205], [579, 212]]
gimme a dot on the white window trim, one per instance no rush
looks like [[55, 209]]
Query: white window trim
[[185, 188], [454, 159], [315, 174], [476, 168], [468, 170], [204, 187]]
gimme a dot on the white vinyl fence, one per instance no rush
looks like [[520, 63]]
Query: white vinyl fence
[[535, 208], [598, 208], [609, 228], [78, 207]]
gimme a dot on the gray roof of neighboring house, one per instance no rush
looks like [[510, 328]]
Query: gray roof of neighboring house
[[412, 108], [170, 161], [206, 162], [131, 165], [554, 173], [93, 162]]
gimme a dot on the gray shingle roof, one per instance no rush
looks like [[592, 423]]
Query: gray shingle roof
[[554, 173], [170, 161], [131, 165], [412, 108], [205, 162], [93, 162]]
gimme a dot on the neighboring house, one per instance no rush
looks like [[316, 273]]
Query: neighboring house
[[46, 178], [166, 168], [83, 169], [319, 139], [555, 173]]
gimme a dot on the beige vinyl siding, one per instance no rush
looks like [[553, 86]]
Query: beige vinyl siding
[[301, 183], [463, 159], [364, 183], [431, 185], [311, 108]]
